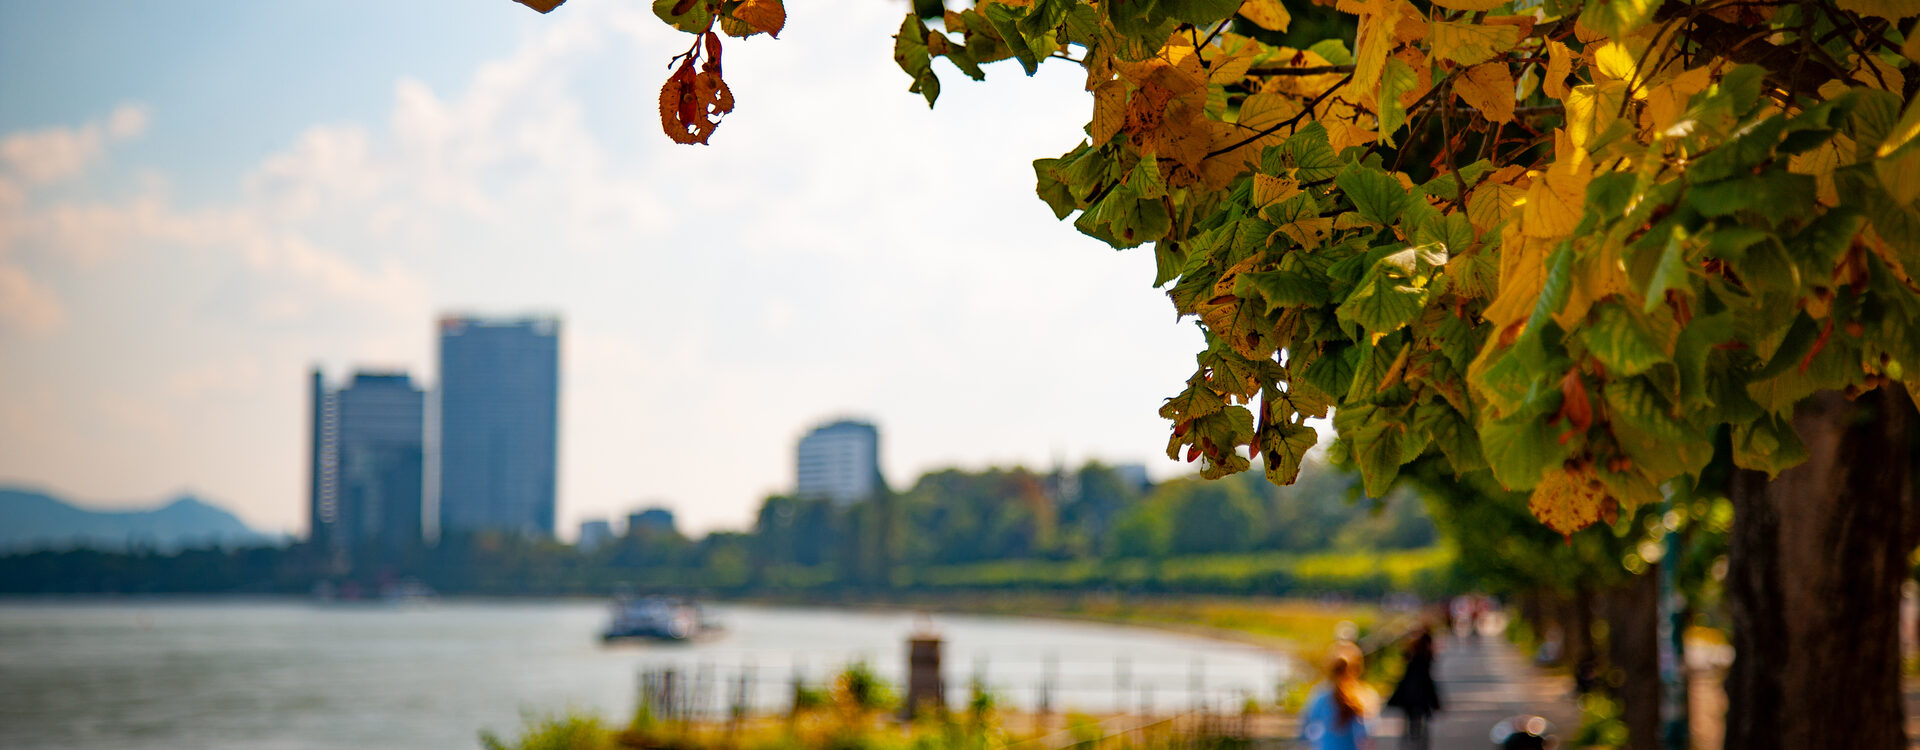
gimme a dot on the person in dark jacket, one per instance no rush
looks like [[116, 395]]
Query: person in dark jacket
[[1417, 696]]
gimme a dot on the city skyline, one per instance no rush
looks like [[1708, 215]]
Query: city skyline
[[170, 267]]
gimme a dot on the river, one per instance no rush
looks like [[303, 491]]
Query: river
[[168, 673]]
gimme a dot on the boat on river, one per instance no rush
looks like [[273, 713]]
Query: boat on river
[[658, 618]]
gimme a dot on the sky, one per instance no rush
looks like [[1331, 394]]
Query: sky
[[201, 202]]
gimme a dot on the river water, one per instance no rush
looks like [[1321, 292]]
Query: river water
[[295, 674]]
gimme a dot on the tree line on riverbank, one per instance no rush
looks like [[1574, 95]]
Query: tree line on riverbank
[[1081, 529]]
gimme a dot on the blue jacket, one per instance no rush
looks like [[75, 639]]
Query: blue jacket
[[1320, 724]]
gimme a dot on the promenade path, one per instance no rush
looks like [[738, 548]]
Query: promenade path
[[1482, 680]]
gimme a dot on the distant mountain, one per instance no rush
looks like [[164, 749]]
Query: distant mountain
[[34, 520]]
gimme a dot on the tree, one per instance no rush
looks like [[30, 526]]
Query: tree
[[1569, 243]]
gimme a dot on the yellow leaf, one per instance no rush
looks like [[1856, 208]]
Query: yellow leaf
[[1109, 110], [1258, 113], [1568, 500], [1411, 25], [763, 15], [1268, 189], [1597, 275], [1552, 207], [1591, 108], [1902, 132], [1471, 43], [1488, 87], [1614, 61], [1912, 48], [1475, 5], [1343, 132], [1307, 232], [1269, 14], [1559, 66], [1877, 73], [1228, 69], [1892, 10], [1490, 203], [1523, 273], [1370, 56], [1667, 101], [1900, 175]]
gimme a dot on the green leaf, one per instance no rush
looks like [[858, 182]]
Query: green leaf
[[1047, 183], [1744, 149], [1519, 448], [1394, 290], [1198, 12], [1793, 347], [1371, 363], [1669, 271], [1006, 20], [1638, 403], [1308, 152], [1333, 50], [1332, 372], [1375, 194], [1198, 400], [1377, 444], [694, 21], [1767, 444], [1623, 341], [1285, 288], [1617, 18], [1286, 446], [1395, 80]]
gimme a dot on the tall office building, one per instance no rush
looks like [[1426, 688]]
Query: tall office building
[[367, 464], [498, 425], [839, 461]]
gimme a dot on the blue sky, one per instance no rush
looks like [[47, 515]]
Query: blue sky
[[197, 203]]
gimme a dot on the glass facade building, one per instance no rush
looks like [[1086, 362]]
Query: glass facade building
[[497, 425], [839, 461], [367, 464]]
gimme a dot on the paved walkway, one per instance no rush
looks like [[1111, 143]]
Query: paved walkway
[[1482, 680]]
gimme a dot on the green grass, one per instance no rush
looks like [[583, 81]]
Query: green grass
[[1363, 573]]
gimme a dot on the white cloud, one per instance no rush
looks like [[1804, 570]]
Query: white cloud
[[27, 305], [54, 154]]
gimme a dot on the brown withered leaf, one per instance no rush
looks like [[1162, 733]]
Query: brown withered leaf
[[692, 103], [544, 6], [769, 16]]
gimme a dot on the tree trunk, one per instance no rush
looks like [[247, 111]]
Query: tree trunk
[[1815, 562], [1633, 647], [1581, 652]]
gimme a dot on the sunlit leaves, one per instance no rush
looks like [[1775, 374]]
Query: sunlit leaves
[[1488, 87], [1617, 18], [1271, 15], [1471, 43]]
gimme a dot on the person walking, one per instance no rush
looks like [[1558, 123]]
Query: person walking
[[1336, 712], [1417, 695]]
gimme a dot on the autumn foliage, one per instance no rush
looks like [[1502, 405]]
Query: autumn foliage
[[1567, 242]]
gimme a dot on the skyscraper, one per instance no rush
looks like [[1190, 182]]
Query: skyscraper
[[367, 463], [839, 461], [498, 424]]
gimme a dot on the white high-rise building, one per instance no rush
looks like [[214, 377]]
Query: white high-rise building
[[839, 461]]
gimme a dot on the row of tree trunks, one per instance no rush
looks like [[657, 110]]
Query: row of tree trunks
[[1815, 564]]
